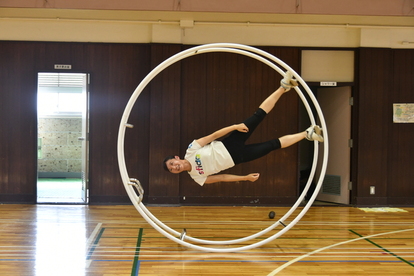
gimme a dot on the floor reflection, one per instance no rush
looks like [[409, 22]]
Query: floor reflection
[[60, 241], [60, 190]]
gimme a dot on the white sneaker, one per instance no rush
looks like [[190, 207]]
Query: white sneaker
[[288, 81], [314, 133]]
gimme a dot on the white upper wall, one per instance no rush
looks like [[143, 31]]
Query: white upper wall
[[321, 7], [190, 27]]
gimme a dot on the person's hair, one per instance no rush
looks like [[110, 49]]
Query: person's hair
[[165, 162]]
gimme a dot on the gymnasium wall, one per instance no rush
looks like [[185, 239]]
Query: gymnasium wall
[[280, 25], [208, 92], [220, 89], [384, 156], [118, 43], [115, 71], [191, 99], [352, 7]]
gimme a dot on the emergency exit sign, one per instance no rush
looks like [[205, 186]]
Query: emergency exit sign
[[63, 66]]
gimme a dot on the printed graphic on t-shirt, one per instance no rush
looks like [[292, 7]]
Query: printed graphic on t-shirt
[[199, 166]]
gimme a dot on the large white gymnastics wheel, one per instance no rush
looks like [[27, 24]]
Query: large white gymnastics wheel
[[132, 184]]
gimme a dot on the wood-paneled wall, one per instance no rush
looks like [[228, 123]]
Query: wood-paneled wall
[[115, 71], [191, 99], [165, 125], [18, 121], [385, 149], [207, 92], [227, 89]]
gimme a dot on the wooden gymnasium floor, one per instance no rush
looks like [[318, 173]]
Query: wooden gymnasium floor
[[115, 240]]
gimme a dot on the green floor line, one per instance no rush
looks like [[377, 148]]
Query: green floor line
[[135, 265], [382, 248]]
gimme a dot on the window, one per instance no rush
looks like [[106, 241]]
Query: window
[[60, 94]]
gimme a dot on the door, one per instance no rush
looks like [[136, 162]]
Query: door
[[63, 144], [85, 140], [336, 109]]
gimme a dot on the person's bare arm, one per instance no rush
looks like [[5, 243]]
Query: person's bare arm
[[231, 178], [220, 133]]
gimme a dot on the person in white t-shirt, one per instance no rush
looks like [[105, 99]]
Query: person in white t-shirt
[[206, 157]]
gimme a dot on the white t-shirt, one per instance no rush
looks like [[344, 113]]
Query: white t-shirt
[[207, 160]]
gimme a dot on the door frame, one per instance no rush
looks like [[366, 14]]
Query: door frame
[[85, 142], [306, 149]]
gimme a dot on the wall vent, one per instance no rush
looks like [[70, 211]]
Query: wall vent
[[331, 185]]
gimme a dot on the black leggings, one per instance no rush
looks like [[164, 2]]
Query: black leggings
[[235, 142]]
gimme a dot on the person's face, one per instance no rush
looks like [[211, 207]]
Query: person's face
[[175, 165]]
